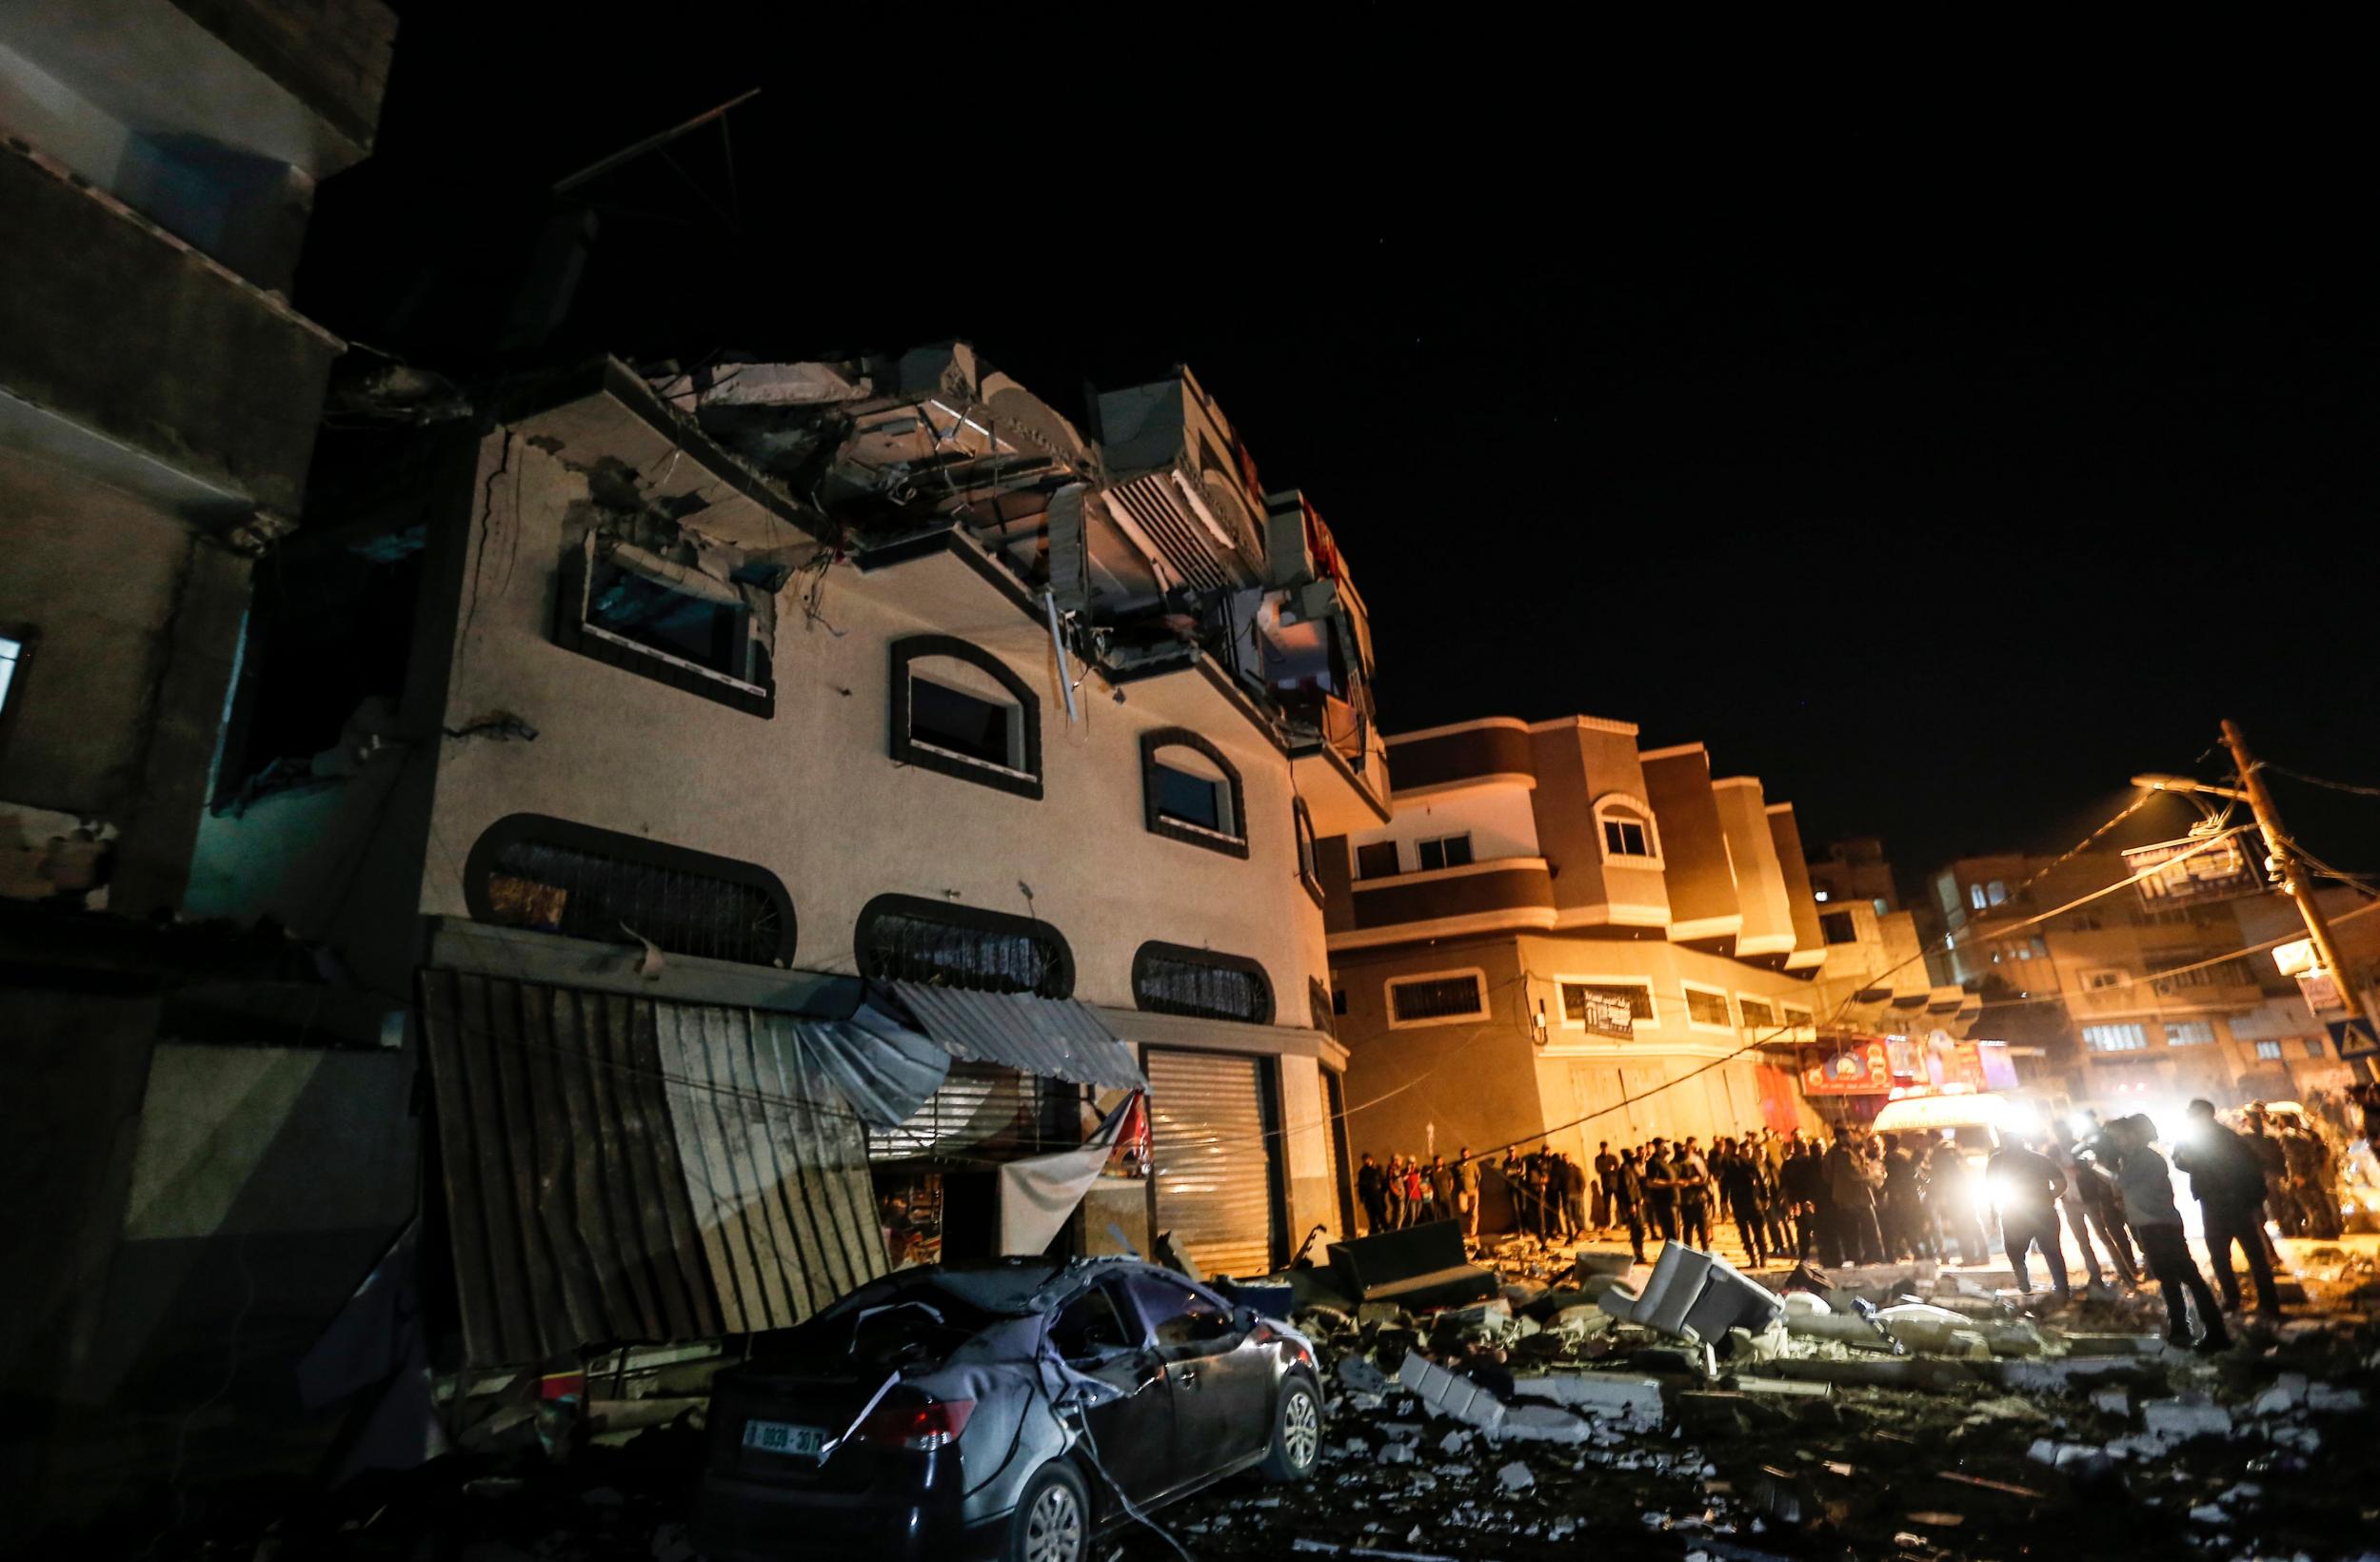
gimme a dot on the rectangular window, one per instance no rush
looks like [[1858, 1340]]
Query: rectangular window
[[11, 652], [2269, 1050], [2101, 980], [1451, 851], [1605, 1009], [1378, 861], [1800, 1020], [1757, 1015], [1191, 799], [1625, 837], [1707, 1008], [670, 621], [966, 724], [1882, 908], [1974, 896], [1839, 927], [1998, 892], [1638, 997], [2115, 1038], [2189, 1033], [1436, 998], [2313, 1046]]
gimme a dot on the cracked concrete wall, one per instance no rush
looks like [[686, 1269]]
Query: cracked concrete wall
[[116, 713]]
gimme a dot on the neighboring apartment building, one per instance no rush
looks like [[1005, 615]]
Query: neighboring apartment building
[[158, 397], [713, 755], [1854, 870], [2091, 972], [159, 400], [1556, 925]]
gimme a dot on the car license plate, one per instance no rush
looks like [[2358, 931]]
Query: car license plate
[[785, 1437]]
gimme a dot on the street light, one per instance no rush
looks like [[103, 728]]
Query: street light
[[2185, 783]]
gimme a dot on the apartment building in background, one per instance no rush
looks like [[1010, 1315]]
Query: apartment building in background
[[2141, 995], [1557, 924]]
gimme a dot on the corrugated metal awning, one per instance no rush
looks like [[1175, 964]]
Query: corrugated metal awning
[[622, 1169], [1055, 1038]]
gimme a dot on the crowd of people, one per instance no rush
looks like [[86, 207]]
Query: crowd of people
[[1867, 1198]]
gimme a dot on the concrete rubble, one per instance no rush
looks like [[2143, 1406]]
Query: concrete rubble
[[1540, 1425], [1922, 1415]]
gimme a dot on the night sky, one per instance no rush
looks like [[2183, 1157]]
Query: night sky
[[1943, 512]]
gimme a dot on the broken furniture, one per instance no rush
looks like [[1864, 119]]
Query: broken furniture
[[1694, 1294], [1419, 1267]]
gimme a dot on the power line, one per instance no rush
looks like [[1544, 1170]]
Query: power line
[[2318, 781]]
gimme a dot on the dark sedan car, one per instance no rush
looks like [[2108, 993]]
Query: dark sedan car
[[1010, 1410]]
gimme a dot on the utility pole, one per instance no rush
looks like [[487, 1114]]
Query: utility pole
[[2292, 877]]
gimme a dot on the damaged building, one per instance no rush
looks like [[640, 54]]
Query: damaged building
[[1557, 923], [786, 809], [159, 403]]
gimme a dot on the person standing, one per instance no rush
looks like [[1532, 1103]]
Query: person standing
[[1372, 1193], [2303, 1153], [1574, 1195], [1773, 1203], [1852, 1185], [1417, 1192], [1904, 1217], [1951, 1185], [1660, 1192], [2227, 1179], [1801, 1183], [1606, 1166], [2280, 1199], [1628, 1200], [1740, 1180], [1693, 1176], [2029, 1185], [1396, 1192], [1467, 1193], [2102, 1209], [2071, 1214], [1509, 1169], [1442, 1189], [2148, 1193]]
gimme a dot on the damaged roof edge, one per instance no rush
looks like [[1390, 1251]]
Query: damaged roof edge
[[609, 376], [957, 540]]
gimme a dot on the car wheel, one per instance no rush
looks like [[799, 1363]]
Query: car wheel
[[1297, 1432], [1053, 1518]]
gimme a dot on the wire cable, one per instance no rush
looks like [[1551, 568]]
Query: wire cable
[[2318, 780]]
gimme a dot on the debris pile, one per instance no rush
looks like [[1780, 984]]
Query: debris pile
[[1926, 1416]]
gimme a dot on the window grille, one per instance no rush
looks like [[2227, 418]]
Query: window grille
[[1205, 985], [555, 877], [914, 940], [1436, 998]]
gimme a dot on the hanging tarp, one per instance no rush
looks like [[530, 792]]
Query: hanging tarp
[[1038, 1195], [623, 1169], [1053, 1037]]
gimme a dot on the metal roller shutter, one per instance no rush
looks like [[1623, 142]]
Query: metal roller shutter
[[1207, 1145]]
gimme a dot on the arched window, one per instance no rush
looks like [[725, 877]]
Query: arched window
[[958, 710], [1625, 831], [553, 875], [1191, 792], [1171, 979], [905, 938], [1309, 857]]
